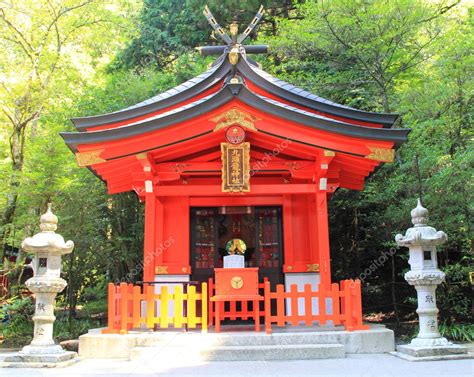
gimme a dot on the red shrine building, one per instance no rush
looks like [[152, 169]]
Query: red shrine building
[[236, 154]]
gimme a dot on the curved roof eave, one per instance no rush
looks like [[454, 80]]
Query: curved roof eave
[[224, 95], [171, 97], [302, 97]]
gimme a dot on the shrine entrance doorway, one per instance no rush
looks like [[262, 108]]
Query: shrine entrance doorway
[[260, 228]]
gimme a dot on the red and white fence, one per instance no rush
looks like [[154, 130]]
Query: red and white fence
[[136, 307]]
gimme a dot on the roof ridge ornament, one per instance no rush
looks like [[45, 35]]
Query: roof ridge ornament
[[233, 43], [233, 27]]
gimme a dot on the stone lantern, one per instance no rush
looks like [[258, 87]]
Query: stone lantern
[[46, 283], [425, 276]]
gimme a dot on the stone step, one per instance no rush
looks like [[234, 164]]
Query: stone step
[[240, 353], [279, 352], [243, 339]]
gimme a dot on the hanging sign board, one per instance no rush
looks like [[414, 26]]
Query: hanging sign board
[[235, 167]]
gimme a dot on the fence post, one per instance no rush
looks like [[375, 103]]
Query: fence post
[[343, 301], [280, 299], [204, 302], [294, 304], [348, 305], [336, 311], [267, 307], [322, 304], [123, 308], [136, 310], [150, 306], [178, 306], [192, 307], [308, 305], [164, 299], [211, 304]]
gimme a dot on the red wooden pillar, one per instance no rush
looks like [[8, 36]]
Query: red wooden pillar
[[322, 219], [150, 219], [323, 238], [288, 234], [158, 229], [149, 247]]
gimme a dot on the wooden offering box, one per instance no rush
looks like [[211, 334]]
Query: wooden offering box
[[236, 281]]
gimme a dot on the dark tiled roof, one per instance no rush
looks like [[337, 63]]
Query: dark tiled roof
[[223, 96], [304, 98], [173, 96]]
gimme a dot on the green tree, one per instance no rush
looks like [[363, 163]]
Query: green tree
[[372, 42], [48, 48], [168, 29]]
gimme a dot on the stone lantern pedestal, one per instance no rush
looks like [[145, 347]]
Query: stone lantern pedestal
[[46, 283], [425, 276]]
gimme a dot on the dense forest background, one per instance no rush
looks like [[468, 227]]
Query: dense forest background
[[66, 58]]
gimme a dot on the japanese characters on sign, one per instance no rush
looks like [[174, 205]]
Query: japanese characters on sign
[[235, 167]]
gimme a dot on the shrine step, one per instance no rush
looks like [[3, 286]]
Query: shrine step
[[241, 353], [248, 338], [275, 352]]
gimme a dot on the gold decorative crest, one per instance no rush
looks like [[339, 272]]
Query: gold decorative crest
[[381, 154], [235, 116], [235, 167], [89, 158], [312, 267], [161, 270], [237, 282]]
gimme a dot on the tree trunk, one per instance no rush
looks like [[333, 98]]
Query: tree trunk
[[17, 147]]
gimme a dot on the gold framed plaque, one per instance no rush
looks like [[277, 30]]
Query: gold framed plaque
[[235, 167]]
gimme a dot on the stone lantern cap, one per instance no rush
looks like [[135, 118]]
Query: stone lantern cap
[[421, 234], [47, 241]]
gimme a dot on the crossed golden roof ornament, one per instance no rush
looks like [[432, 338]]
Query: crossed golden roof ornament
[[233, 43]]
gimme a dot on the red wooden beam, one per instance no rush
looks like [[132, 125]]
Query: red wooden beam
[[216, 190], [233, 200]]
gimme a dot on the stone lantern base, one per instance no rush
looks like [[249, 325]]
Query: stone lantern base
[[422, 353], [39, 360]]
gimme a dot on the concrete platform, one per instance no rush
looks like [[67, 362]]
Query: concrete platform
[[283, 344]]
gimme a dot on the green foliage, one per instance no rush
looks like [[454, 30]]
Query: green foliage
[[457, 332], [171, 28], [16, 321], [66, 330], [16, 326], [455, 294]]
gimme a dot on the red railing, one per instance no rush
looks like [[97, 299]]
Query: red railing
[[344, 301], [131, 307]]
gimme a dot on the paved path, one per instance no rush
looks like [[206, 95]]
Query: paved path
[[351, 366]]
